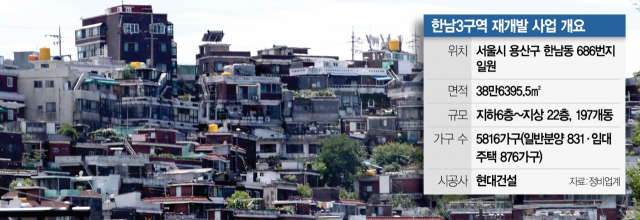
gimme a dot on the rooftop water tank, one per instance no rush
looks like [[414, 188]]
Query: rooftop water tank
[[213, 128], [394, 45], [45, 53], [33, 57]]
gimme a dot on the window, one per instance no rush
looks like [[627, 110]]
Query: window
[[166, 136], [346, 101], [44, 66], [380, 211], [384, 122], [382, 139], [119, 9], [79, 34], [162, 67], [35, 127], [295, 148], [10, 115], [157, 28], [270, 88], [128, 9], [9, 81], [219, 66], [267, 148], [275, 68], [170, 29], [55, 150], [359, 125], [258, 195], [205, 67], [49, 84], [51, 107], [355, 101], [369, 189], [163, 48], [131, 28], [174, 48], [133, 47]]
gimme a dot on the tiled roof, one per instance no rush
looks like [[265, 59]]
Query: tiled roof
[[90, 193], [403, 217], [216, 156], [10, 195], [175, 199], [30, 203], [194, 182], [204, 147], [53, 204], [239, 148], [13, 171], [351, 201]]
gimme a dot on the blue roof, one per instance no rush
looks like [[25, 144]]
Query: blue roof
[[343, 74], [382, 78]]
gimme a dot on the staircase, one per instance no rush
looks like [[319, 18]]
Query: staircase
[[205, 88], [86, 168], [129, 148]]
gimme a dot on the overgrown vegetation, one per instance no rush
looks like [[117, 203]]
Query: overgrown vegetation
[[67, 129], [21, 183], [344, 194], [128, 72], [305, 191], [402, 201], [33, 156], [343, 159], [290, 179], [240, 200], [393, 156], [174, 156], [297, 94]]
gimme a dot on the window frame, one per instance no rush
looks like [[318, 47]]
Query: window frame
[[46, 84], [10, 82]]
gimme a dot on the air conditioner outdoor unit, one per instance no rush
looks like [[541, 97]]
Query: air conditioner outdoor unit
[[313, 86]]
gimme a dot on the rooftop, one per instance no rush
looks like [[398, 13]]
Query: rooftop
[[175, 199]]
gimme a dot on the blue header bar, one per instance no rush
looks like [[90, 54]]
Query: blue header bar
[[524, 25]]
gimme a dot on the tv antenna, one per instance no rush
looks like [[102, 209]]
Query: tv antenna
[[354, 41]]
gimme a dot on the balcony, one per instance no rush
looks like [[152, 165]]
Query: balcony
[[410, 123], [137, 159], [358, 88], [147, 181], [410, 103]]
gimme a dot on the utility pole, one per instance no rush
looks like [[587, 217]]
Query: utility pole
[[352, 43], [415, 42], [152, 29], [60, 41], [354, 40]]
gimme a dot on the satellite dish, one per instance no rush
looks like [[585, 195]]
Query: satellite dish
[[80, 173]]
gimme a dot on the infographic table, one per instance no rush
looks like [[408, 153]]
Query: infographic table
[[524, 104]]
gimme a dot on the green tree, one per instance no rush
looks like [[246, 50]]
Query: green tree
[[344, 194], [402, 201], [320, 167], [290, 179], [33, 156], [305, 190], [443, 200], [27, 137], [67, 129], [239, 200], [633, 180], [127, 72], [396, 155], [343, 158], [24, 182]]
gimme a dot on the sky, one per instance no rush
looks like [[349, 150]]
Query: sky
[[324, 26]]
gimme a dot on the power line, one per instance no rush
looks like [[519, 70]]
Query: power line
[[26, 27]]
